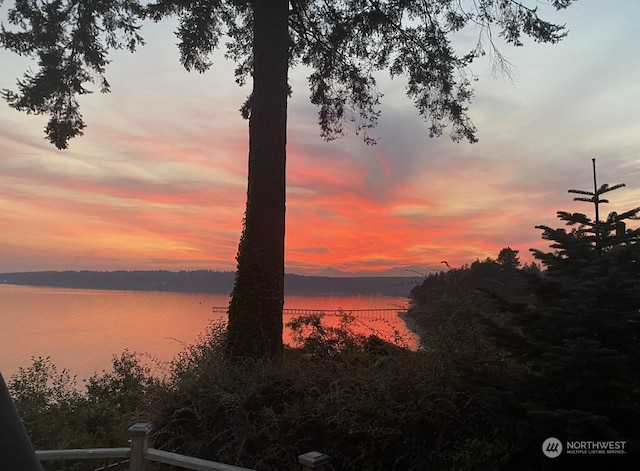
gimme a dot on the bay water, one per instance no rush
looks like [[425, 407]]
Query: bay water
[[80, 330]]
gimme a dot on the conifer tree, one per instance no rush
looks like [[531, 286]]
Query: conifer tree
[[577, 342]]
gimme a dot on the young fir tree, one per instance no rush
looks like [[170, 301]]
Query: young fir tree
[[577, 342]]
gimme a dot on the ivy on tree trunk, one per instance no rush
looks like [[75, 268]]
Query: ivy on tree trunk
[[255, 310]]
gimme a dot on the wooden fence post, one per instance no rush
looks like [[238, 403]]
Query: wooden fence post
[[313, 461], [139, 434]]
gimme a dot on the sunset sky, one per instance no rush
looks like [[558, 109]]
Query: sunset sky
[[158, 181]]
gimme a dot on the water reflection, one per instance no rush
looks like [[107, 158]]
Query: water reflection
[[81, 329]]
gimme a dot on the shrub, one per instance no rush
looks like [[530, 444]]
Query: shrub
[[49, 404], [365, 402], [58, 414]]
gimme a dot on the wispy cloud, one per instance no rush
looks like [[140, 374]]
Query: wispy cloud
[[159, 179]]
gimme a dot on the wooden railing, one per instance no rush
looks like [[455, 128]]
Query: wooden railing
[[139, 454]]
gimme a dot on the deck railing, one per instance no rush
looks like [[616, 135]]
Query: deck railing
[[138, 455]]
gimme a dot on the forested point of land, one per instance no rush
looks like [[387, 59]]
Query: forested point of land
[[207, 281]]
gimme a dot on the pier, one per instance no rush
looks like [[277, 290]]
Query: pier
[[368, 314]]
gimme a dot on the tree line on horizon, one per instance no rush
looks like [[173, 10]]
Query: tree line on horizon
[[207, 281]]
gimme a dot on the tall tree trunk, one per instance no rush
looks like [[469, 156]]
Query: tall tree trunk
[[255, 310]]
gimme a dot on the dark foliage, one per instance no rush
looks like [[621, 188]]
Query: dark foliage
[[501, 277], [367, 403], [343, 42], [448, 308], [577, 342]]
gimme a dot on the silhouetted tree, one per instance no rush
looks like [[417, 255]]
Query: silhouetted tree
[[343, 43], [508, 258], [488, 275], [532, 267], [448, 308], [578, 344]]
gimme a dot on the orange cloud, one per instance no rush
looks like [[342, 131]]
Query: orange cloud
[[186, 212]]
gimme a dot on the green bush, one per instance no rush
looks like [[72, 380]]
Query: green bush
[[49, 404], [58, 414]]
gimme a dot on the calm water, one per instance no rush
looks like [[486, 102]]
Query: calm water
[[81, 329]]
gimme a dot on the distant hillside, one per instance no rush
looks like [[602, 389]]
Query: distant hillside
[[386, 285], [206, 281]]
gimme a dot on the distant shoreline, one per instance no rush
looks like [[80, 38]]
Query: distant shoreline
[[207, 281]]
